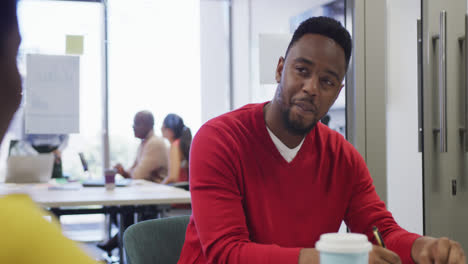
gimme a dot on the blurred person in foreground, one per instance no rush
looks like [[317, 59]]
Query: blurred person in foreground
[[26, 237], [268, 179]]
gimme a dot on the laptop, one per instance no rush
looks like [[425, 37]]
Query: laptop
[[30, 169], [99, 182]]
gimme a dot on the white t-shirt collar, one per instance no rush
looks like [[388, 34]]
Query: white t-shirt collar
[[287, 153]]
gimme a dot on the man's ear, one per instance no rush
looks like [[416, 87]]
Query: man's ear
[[279, 69]]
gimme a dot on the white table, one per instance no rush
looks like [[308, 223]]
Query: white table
[[140, 192]]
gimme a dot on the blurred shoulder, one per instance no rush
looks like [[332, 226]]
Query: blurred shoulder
[[156, 142]]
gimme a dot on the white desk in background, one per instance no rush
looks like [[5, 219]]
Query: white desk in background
[[137, 193], [119, 200]]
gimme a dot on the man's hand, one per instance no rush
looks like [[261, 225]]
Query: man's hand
[[383, 255], [428, 250], [120, 170], [57, 155], [309, 256]]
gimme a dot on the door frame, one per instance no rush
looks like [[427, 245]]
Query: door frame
[[366, 83]]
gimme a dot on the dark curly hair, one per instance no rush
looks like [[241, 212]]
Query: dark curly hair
[[7, 20], [182, 132], [327, 27]]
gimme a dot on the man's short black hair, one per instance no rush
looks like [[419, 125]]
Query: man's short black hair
[[327, 27], [7, 20]]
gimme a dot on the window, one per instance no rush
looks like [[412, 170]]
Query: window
[[154, 64], [44, 26]]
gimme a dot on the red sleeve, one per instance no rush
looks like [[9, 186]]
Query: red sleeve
[[367, 210], [217, 204]]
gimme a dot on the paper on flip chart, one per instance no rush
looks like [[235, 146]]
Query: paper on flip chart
[[52, 94]]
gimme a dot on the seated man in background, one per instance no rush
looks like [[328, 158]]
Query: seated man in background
[[26, 237], [151, 162]]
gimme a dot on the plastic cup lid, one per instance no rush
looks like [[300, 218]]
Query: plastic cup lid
[[343, 243]]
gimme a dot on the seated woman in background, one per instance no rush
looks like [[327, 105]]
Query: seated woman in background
[[180, 138]]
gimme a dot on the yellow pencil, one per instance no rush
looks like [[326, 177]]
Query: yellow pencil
[[378, 236]]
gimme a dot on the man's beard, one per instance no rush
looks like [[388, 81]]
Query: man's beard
[[294, 126]]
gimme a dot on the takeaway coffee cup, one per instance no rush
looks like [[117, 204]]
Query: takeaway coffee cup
[[346, 248], [109, 179]]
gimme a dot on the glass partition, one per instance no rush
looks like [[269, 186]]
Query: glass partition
[[44, 26], [154, 64]]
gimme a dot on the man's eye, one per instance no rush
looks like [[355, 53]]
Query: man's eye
[[301, 69], [328, 82]]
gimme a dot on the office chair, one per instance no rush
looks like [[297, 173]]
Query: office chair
[[156, 241]]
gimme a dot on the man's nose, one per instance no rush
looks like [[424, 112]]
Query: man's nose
[[311, 86]]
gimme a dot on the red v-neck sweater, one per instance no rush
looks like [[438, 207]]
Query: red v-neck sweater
[[251, 206]]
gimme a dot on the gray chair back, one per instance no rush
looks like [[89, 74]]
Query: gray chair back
[[156, 241]]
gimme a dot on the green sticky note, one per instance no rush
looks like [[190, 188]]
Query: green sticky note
[[75, 44]]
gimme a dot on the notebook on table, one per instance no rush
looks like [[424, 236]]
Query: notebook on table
[[99, 182]]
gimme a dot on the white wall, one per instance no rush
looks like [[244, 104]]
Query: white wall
[[404, 164], [214, 58], [241, 51]]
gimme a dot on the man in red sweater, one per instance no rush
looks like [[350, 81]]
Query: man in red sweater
[[268, 179]]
